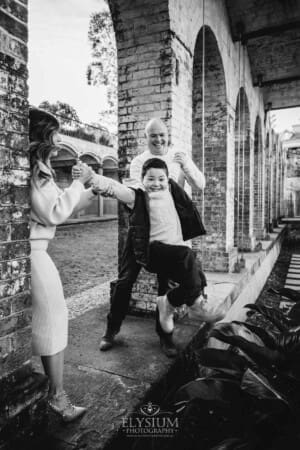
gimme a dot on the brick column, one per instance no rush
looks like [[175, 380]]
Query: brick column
[[21, 390], [145, 70]]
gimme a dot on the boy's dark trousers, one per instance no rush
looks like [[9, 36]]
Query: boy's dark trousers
[[175, 262]]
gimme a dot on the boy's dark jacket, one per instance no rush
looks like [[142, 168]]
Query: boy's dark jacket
[[139, 222]]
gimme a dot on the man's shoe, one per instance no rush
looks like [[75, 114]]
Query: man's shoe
[[61, 405], [207, 311], [166, 339], [166, 314], [107, 341]]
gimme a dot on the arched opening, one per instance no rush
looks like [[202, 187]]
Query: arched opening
[[258, 210], [212, 157], [62, 164], [267, 183], [110, 169], [242, 238]]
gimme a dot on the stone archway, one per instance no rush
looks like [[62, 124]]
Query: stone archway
[[213, 202], [242, 190], [62, 163], [258, 194], [267, 216]]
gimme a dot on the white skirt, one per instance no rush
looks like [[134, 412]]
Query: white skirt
[[49, 310]]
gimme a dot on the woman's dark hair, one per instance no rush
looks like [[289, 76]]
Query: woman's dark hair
[[154, 163], [42, 125]]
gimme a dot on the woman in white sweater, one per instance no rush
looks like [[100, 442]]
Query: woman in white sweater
[[50, 207]]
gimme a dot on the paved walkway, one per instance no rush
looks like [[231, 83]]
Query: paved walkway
[[110, 384]]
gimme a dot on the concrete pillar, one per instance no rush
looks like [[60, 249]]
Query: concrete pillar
[[22, 391]]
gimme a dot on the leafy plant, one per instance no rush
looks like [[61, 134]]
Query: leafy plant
[[276, 317]]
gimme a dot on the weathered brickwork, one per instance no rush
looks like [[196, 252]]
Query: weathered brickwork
[[15, 300], [14, 201], [283, 94]]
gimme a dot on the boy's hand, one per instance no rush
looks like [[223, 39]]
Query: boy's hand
[[109, 192], [181, 158]]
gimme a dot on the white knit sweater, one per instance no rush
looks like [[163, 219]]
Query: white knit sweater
[[51, 206]]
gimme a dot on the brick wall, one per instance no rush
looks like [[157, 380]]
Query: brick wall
[[15, 312], [15, 301]]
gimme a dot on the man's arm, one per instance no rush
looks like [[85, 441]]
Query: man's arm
[[193, 175], [135, 170]]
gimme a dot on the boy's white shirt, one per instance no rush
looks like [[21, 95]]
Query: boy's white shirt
[[164, 221]]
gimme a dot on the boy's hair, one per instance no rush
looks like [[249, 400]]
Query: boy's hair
[[154, 163]]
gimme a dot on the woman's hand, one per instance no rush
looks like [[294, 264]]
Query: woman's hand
[[82, 172]]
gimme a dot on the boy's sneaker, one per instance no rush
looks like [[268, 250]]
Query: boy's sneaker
[[166, 314], [207, 310], [167, 345], [166, 339]]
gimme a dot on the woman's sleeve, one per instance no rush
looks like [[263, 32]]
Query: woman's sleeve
[[52, 206], [86, 198]]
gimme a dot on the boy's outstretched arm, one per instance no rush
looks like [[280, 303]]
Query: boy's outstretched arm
[[113, 188]]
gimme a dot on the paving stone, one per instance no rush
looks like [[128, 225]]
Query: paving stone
[[293, 283], [295, 276]]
